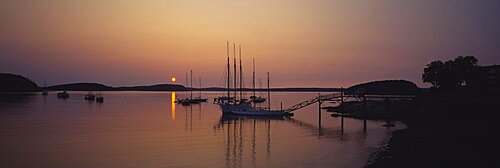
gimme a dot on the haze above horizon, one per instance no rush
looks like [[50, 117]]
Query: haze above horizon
[[320, 43]]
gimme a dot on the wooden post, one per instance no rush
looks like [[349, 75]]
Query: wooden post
[[366, 111], [364, 124], [341, 95], [342, 122], [319, 110]]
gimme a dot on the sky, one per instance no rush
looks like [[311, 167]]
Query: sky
[[317, 43]]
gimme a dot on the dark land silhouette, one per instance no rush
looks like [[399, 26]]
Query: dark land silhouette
[[386, 87], [453, 123], [172, 87], [17, 83], [101, 87]]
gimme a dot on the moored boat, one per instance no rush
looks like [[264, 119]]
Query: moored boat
[[99, 98], [63, 95], [90, 96]]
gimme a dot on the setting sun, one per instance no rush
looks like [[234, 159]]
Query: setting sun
[[173, 79]]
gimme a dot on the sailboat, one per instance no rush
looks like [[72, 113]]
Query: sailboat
[[262, 111], [99, 98], [189, 100], [254, 98], [229, 103], [90, 96], [63, 95], [45, 92], [199, 98]]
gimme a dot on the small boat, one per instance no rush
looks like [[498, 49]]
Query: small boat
[[63, 95], [186, 101], [45, 92], [199, 99], [260, 112], [99, 98], [90, 97]]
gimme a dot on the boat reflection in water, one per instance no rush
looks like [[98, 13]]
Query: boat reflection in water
[[236, 127]]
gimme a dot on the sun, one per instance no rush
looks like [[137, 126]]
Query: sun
[[173, 79]]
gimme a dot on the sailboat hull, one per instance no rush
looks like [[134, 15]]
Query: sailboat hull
[[252, 112], [229, 108]]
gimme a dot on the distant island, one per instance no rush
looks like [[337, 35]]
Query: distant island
[[101, 87], [172, 87], [17, 83]]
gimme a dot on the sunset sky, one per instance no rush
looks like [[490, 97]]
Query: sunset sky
[[323, 43]]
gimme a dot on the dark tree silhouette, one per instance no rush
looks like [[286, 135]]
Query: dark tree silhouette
[[452, 73]]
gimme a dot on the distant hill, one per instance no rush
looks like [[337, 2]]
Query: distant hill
[[101, 87], [17, 83], [159, 87], [387, 87], [82, 87], [311, 89]]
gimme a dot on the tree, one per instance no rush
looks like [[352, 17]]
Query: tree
[[452, 73]]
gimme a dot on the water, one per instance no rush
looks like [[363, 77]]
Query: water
[[146, 129]]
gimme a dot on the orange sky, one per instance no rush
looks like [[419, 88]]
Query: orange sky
[[302, 43]]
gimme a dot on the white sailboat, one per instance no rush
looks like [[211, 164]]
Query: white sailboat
[[228, 104], [262, 111]]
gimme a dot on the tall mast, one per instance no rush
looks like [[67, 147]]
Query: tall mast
[[200, 87], [268, 92], [234, 66], [228, 71], [241, 76], [253, 76], [260, 87], [186, 82], [191, 84]]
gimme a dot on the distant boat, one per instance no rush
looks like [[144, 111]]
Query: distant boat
[[199, 99], [63, 95], [44, 91], [190, 100], [99, 98], [256, 99], [90, 96]]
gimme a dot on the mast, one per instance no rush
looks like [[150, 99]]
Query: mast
[[199, 89], [234, 66], [253, 77], [228, 71], [260, 87], [186, 82], [241, 76], [191, 84], [268, 92]]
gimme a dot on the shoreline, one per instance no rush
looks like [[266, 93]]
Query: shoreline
[[444, 133]]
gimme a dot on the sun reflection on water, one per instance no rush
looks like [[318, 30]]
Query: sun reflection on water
[[173, 107]]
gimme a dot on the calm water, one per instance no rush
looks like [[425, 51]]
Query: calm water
[[145, 129]]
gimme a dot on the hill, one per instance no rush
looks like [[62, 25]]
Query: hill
[[101, 87], [82, 87], [17, 83], [159, 87], [387, 87]]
